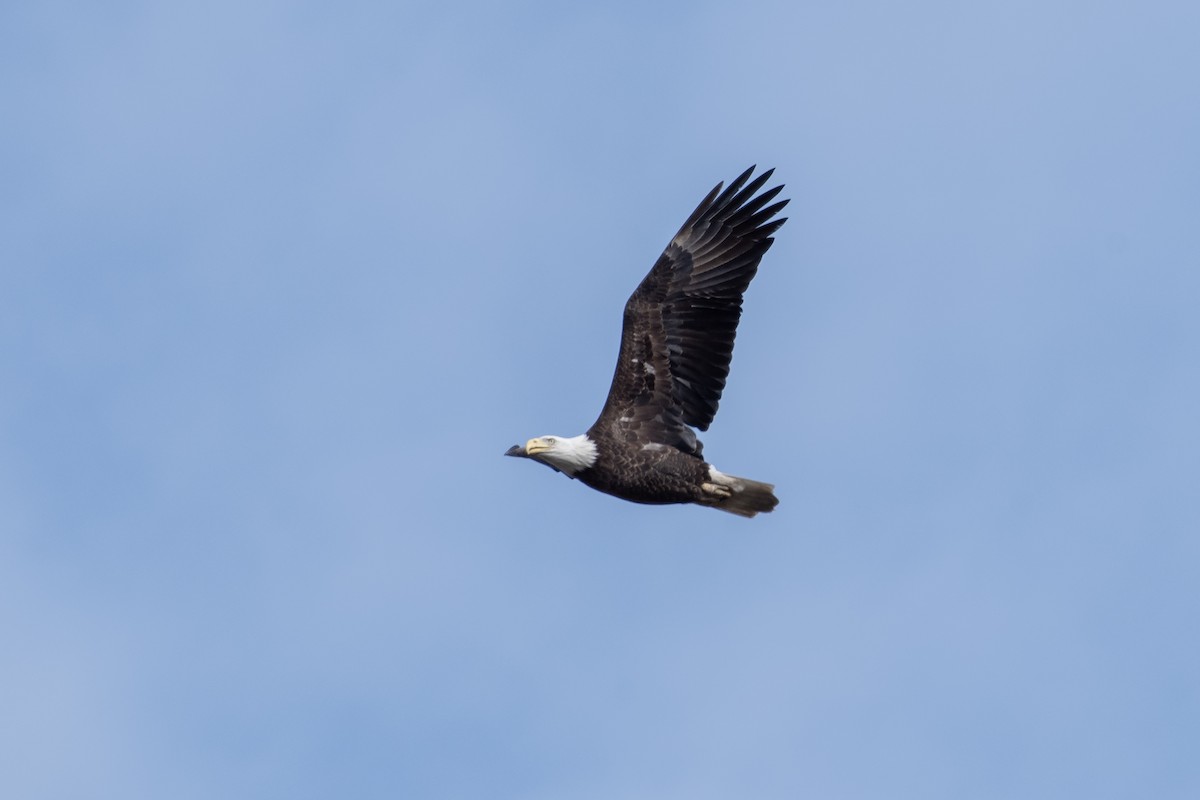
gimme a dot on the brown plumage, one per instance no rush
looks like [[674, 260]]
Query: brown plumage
[[676, 345]]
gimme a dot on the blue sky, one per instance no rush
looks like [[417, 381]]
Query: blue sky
[[281, 282]]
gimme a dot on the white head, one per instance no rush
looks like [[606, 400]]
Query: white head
[[569, 454]]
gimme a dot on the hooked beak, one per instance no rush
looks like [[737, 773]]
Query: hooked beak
[[516, 450]]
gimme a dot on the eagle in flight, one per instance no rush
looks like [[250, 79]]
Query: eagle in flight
[[676, 344]]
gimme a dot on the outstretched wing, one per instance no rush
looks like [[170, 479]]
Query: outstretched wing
[[680, 322]]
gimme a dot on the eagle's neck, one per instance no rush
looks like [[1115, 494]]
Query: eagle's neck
[[572, 454]]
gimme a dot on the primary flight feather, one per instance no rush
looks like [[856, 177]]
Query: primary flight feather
[[676, 344]]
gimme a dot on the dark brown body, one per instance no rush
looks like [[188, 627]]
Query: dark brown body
[[656, 474]]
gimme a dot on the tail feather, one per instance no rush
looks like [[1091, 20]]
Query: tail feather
[[746, 497]]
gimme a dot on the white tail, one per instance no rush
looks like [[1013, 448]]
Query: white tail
[[741, 496]]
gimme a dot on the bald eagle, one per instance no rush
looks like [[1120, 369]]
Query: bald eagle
[[676, 344]]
